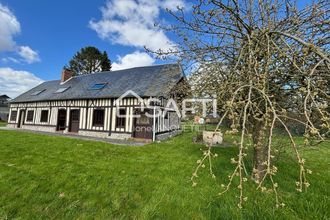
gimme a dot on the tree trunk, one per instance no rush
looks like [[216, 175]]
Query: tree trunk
[[260, 150]]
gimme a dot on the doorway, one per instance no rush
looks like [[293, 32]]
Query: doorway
[[74, 120], [61, 120], [143, 125], [21, 118]]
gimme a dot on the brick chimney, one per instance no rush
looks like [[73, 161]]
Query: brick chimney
[[66, 74]]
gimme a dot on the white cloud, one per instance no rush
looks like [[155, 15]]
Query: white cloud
[[15, 82], [131, 23], [10, 59], [173, 4], [133, 60], [9, 27], [29, 55]]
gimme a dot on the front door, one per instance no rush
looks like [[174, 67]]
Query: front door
[[61, 120], [21, 118], [142, 126], [74, 120]]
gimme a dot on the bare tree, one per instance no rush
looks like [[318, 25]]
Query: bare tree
[[276, 59]]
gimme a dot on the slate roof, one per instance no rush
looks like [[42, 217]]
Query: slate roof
[[146, 81]]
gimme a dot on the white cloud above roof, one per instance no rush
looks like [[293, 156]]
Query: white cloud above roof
[[15, 82], [131, 23], [29, 55], [135, 59]]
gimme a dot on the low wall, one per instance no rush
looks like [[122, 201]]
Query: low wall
[[34, 127], [11, 125], [120, 136], [39, 128], [167, 135], [94, 134], [101, 134]]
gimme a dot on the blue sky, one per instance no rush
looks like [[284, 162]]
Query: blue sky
[[37, 38]]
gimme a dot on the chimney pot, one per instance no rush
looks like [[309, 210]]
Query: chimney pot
[[66, 74]]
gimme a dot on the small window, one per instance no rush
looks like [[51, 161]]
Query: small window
[[121, 118], [13, 116], [98, 117], [38, 92], [98, 86], [44, 116], [29, 116], [60, 90]]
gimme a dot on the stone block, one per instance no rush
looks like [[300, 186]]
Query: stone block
[[212, 138]]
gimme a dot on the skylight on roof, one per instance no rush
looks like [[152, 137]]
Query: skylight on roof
[[63, 89], [98, 86], [38, 92]]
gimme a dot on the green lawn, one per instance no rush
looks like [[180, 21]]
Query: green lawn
[[57, 177]]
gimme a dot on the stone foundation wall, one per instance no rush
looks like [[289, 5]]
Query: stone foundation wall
[[34, 127], [11, 125], [100, 134], [120, 136], [39, 128], [94, 134], [164, 136]]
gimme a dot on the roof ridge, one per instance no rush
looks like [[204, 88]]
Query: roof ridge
[[137, 67]]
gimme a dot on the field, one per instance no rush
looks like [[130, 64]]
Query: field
[[61, 178]]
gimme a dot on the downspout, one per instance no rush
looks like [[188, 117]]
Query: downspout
[[154, 126]]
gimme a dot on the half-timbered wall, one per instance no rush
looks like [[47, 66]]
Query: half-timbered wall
[[86, 108]]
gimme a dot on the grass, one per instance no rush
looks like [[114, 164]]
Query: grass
[[61, 178], [3, 123]]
